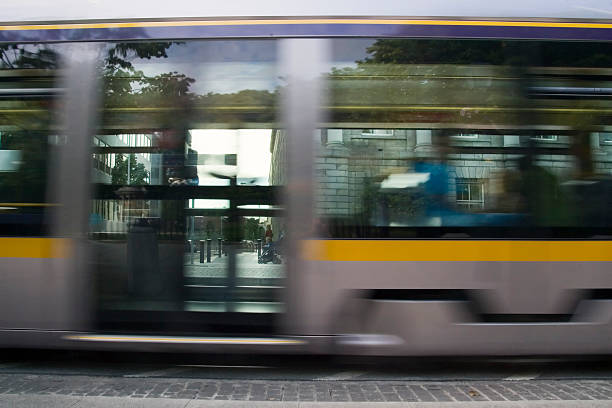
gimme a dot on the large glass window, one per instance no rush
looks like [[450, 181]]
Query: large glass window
[[470, 138], [189, 163]]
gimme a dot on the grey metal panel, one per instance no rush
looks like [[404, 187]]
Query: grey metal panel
[[70, 172], [338, 304], [501, 287], [41, 10], [302, 63], [436, 328], [48, 293], [32, 294]]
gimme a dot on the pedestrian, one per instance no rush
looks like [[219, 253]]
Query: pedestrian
[[269, 234]]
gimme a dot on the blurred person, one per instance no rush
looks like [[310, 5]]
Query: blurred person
[[545, 201], [269, 234]]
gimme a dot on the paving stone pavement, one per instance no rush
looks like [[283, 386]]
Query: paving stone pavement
[[313, 391]]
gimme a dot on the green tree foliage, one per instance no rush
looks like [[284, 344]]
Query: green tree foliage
[[19, 56], [490, 52], [119, 173], [251, 229]]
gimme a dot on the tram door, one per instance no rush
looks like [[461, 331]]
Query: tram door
[[186, 220]]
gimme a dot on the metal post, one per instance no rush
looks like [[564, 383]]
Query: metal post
[[219, 245], [201, 251], [191, 250], [225, 247], [258, 247], [208, 249]]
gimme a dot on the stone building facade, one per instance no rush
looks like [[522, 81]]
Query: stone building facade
[[348, 160]]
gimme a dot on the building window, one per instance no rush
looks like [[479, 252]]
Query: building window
[[377, 132], [470, 193], [607, 138], [471, 136], [545, 138]]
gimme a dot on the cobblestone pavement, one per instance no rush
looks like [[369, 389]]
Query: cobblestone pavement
[[317, 391]]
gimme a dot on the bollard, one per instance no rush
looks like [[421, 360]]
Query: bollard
[[208, 249], [191, 251], [201, 251], [258, 247], [219, 246]]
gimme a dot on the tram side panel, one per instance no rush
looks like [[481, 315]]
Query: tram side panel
[[451, 200], [44, 266]]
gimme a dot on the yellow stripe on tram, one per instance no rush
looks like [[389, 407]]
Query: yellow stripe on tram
[[162, 339], [457, 251], [310, 21], [34, 247], [29, 205]]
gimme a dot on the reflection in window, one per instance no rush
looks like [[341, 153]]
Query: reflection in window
[[27, 134], [545, 138], [470, 193], [470, 136], [188, 148], [379, 132], [474, 150]]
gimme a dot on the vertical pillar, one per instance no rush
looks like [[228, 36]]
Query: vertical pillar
[[191, 251], [595, 143], [304, 62], [410, 140], [423, 141], [334, 136], [510, 160], [208, 249]]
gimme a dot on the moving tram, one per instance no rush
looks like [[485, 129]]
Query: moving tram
[[394, 185]]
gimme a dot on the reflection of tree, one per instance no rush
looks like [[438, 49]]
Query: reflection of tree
[[19, 56], [251, 229], [490, 52], [402, 51], [137, 171], [127, 86]]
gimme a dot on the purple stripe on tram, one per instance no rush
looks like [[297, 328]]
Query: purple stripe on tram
[[305, 30]]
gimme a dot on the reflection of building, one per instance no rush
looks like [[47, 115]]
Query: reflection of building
[[278, 173], [348, 160], [115, 213]]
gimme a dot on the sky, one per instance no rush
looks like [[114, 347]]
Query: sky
[[252, 147]]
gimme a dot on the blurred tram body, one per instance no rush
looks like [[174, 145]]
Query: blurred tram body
[[454, 200]]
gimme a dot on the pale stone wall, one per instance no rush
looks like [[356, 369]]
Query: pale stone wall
[[344, 164]]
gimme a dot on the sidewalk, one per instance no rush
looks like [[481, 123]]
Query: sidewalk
[[56, 401], [144, 390]]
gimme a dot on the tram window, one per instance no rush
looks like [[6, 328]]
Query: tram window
[[27, 93], [196, 158], [472, 140]]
